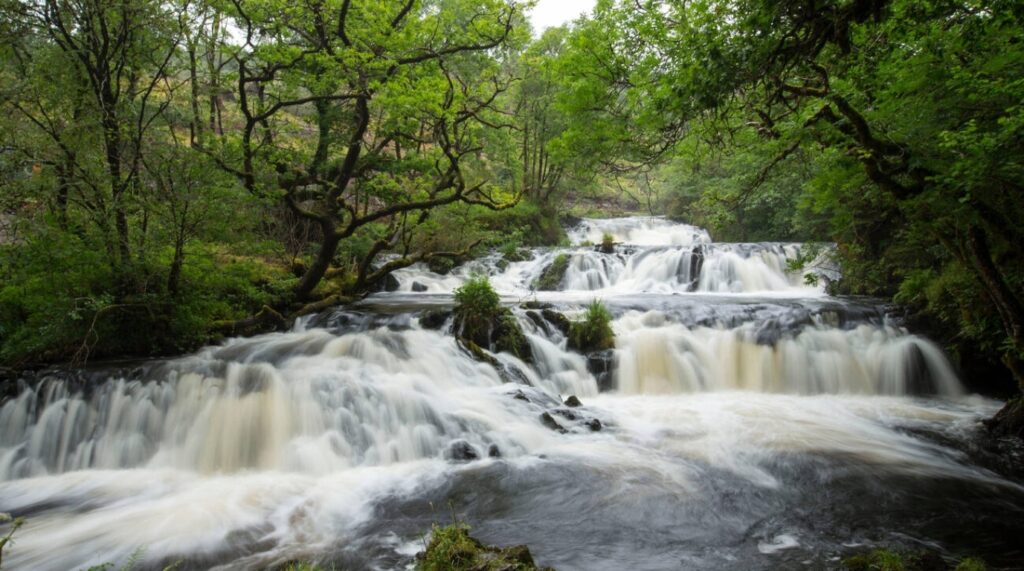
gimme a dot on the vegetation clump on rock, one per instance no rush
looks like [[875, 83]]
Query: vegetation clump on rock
[[481, 322], [594, 332], [451, 548], [552, 275]]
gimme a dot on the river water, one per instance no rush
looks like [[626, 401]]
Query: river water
[[745, 420]]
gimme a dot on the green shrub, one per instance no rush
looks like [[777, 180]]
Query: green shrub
[[607, 243], [477, 306], [594, 332]]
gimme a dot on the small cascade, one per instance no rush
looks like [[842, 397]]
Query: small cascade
[[307, 402], [656, 356], [639, 231]]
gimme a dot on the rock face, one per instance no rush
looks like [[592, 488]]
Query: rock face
[[452, 549], [696, 263], [434, 318], [601, 364], [502, 334], [1009, 421], [557, 320], [390, 283]]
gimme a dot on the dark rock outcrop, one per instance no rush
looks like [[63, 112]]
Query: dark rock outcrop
[[601, 364], [461, 451], [434, 318]]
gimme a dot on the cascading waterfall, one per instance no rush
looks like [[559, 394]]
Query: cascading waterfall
[[735, 391], [652, 256]]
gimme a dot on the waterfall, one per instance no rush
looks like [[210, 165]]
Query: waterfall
[[733, 379]]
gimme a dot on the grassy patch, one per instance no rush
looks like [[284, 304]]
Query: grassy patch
[[594, 332]]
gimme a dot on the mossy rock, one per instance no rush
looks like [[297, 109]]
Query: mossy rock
[[518, 255], [508, 336], [556, 319], [551, 278], [888, 560], [442, 265], [451, 548]]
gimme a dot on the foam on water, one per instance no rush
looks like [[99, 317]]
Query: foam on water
[[727, 415]]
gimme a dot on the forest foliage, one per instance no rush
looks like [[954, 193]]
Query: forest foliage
[[183, 167]]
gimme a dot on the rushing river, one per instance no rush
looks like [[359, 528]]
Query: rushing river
[[745, 420]]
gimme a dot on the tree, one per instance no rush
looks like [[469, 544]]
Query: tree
[[393, 96]]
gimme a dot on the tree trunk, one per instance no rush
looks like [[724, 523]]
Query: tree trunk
[[324, 257]]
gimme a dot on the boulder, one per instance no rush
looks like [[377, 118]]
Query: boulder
[[390, 283], [434, 318], [549, 421], [556, 319], [461, 451]]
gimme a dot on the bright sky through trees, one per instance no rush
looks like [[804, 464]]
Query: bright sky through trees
[[550, 13]]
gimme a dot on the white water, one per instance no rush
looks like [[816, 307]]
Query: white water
[[292, 445], [652, 255]]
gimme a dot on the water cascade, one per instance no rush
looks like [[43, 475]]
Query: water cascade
[[737, 391]]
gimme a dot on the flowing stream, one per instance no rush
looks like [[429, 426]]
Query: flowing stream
[[744, 420]]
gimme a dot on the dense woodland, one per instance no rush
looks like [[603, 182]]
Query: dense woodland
[[177, 171]]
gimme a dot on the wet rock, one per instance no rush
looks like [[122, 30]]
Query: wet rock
[[508, 336], [534, 304], [493, 451], [539, 321], [572, 401], [442, 265], [1009, 421], [518, 255], [390, 283], [551, 278], [601, 364], [556, 319], [434, 318], [418, 287], [519, 395], [593, 424], [566, 414], [696, 263], [461, 451], [549, 421]]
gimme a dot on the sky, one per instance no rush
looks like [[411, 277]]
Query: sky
[[556, 12]]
